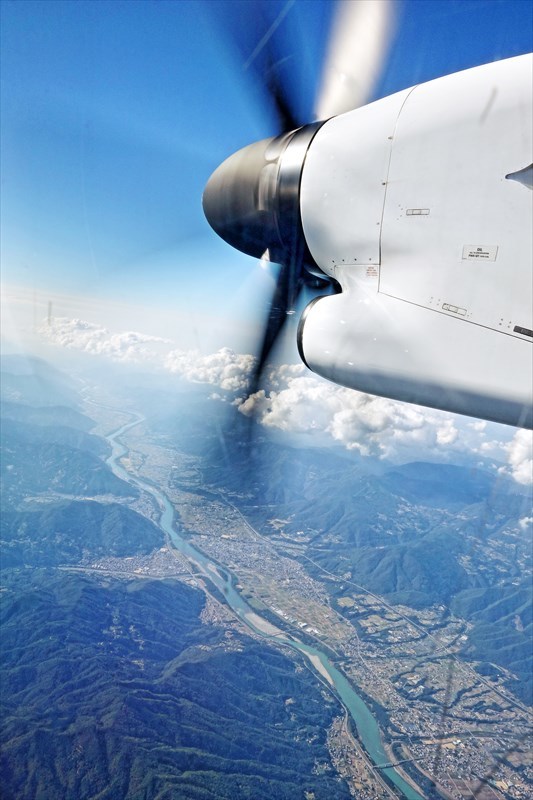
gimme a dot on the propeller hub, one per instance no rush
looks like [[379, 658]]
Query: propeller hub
[[252, 200]]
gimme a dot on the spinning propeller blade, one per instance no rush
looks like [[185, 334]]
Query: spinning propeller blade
[[252, 199]]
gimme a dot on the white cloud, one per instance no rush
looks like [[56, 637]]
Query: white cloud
[[525, 522], [226, 369], [478, 425], [520, 457], [372, 425], [294, 400], [447, 433], [77, 334]]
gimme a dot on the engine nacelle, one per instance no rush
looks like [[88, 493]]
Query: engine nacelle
[[420, 206]]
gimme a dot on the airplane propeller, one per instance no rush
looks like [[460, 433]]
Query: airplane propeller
[[252, 199]]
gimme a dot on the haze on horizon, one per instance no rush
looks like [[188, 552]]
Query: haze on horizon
[[113, 116]]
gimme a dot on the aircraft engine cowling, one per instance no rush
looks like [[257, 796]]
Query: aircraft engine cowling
[[384, 348], [420, 206]]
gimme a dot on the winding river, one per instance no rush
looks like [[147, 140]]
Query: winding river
[[367, 727]]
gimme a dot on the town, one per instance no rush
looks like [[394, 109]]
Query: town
[[439, 717]]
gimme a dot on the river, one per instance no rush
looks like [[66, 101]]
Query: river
[[367, 727]]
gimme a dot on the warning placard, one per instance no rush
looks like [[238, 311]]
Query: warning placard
[[477, 252]]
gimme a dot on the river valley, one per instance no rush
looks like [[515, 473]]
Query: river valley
[[367, 727]]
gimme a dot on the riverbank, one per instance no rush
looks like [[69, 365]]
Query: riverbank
[[262, 624]]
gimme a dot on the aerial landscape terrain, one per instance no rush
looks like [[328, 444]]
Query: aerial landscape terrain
[[222, 576], [192, 608]]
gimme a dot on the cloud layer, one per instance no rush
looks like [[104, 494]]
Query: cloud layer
[[226, 369], [520, 457], [372, 425], [296, 401], [77, 334]]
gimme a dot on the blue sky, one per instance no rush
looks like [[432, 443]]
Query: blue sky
[[114, 114]]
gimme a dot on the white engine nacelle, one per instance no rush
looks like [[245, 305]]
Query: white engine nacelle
[[420, 206]]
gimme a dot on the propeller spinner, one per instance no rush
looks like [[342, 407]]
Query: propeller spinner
[[252, 199]]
